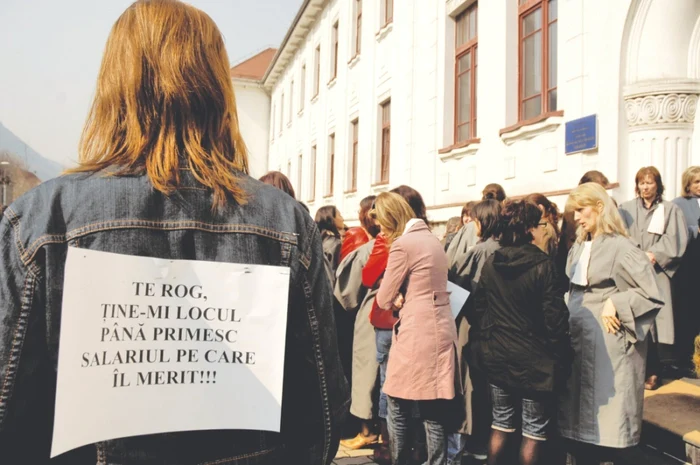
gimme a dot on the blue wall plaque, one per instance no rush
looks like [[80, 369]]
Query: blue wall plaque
[[581, 134]]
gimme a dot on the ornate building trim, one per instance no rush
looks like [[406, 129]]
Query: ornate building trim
[[670, 104]]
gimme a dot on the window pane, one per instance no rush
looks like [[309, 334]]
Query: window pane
[[463, 133], [462, 30], [531, 63], [532, 108], [532, 22], [465, 63], [474, 127], [465, 103], [472, 24], [552, 63], [553, 10], [552, 100], [389, 10]]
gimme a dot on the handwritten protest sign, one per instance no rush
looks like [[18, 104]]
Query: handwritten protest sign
[[150, 346]]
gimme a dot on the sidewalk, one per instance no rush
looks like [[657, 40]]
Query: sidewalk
[[353, 457]]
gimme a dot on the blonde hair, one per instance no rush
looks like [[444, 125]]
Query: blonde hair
[[687, 179], [164, 102], [594, 195], [392, 213]]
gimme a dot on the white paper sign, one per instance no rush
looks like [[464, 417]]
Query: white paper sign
[[458, 297], [151, 346]]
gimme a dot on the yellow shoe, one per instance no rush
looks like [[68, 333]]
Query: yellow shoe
[[359, 442]]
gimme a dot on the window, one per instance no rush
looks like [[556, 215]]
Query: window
[[289, 169], [281, 113], [538, 58], [331, 165], [300, 173], [274, 118], [387, 11], [386, 142], [465, 74], [358, 27], [334, 51], [312, 172], [317, 69], [355, 131], [302, 88], [291, 101]]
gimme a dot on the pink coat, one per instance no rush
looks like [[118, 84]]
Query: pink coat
[[423, 356]]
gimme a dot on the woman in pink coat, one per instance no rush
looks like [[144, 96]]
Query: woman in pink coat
[[423, 359]]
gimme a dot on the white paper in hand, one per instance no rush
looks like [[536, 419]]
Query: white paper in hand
[[458, 297], [656, 225]]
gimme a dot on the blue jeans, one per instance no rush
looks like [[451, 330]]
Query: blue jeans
[[432, 413], [456, 442], [383, 339], [535, 414]]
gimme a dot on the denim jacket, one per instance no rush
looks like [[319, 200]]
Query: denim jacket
[[126, 215]]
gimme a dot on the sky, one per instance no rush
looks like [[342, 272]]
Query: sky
[[50, 53]]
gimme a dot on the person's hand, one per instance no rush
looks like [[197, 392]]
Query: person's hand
[[610, 320], [652, 258], [398, 302]]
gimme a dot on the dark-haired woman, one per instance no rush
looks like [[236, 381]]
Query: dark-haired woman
[[659, 228], [523, 342], [330, 222], [280, 181], [550, 217], [360, 235], [486, 216], [357, 303]]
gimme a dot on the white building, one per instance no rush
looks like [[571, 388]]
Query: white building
[[253, 102], [369, 94]]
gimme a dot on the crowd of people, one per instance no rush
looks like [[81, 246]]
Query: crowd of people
[[571, 316]]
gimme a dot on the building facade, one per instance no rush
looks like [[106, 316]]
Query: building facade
[[448, 96]]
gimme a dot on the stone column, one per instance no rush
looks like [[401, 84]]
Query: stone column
[[660, 119]]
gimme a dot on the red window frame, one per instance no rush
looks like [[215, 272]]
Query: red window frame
[[467, 45], [312, 187], [525, 9], [331, 165], [388, 11], [334, 58], [300, 174], [355, 146], [385, 161], [358, 27], [302, 88], [317, 70], [282, 114]]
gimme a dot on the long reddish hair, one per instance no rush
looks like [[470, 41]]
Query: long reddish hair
[[164, 102]]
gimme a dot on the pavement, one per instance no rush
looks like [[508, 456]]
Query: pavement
[[346, 456]]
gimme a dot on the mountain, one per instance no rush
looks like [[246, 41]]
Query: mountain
[[35, 163]]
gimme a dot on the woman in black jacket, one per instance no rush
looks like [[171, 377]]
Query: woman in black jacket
[[523, 343]]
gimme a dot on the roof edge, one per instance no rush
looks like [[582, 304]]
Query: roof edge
[[290, 31]]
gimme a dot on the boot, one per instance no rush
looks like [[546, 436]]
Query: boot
[[382, 454]]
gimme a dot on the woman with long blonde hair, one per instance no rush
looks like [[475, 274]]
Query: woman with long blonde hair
[[163, 174], [422, 365], [613, 300], [685, 283]]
